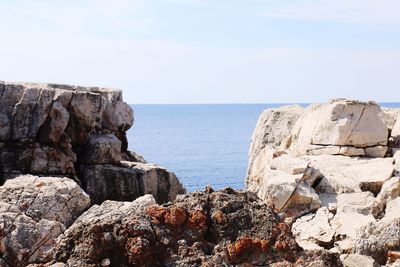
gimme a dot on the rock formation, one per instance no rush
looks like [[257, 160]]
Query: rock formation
[[34, 211], [224, 228], [76, 132], [333, 170], [55, 140]]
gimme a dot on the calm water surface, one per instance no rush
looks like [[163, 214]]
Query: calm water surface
[[203, 144]]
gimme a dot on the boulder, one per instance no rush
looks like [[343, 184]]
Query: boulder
[[313, 231], [102, 149], [127, 181], [34, 211], [354, 211], [336, 124], [208, 228], [76, 132], [271, 135], [356, 260], [342, 174]]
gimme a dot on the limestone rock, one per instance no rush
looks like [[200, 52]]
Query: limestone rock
[[272, 133], [356, 260], [344, 174], [289, 164], [200, 229], [354, 211], [314, 231], [34, 211], [339, 123]]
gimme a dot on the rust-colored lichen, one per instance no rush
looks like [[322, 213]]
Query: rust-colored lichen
[[219, 217], [245, 244], [197, 220], [173, 216]]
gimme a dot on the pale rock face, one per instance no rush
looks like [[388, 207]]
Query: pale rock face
[[314, 230], [390, 190], [289, 164], [376, 151], [34, 211], [272, 133], [344, 174], [339, 123], [357, 260], [390, 116], [354, 211]]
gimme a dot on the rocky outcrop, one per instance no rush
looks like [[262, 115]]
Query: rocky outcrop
[[34, 211], [76, 132], [341, 127], [222, 228], [336, 176]]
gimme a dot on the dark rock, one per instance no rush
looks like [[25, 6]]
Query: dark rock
[[223, 228]]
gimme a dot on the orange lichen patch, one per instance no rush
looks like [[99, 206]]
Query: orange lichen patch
[[262, 244], [393, 256], [281, 245], [235, 250], [173, 216], [219, 217], [138, 250], [157, 214], [197, 220]]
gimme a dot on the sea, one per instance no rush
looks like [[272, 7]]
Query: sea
[[203, 144]]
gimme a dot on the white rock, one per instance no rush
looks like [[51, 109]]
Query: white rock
[[354, 211], [314, 229], [344, 174], [376, 151], [289, 164], [357, 260], [339, 123], [272, 133], [276, 187]]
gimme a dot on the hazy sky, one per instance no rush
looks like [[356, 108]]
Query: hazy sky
[[207, 51]]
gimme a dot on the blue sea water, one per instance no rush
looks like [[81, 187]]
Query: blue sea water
[[203, 144]]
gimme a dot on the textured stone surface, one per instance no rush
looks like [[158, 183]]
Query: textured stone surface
[[128, 181], [34, 211], [201, 229], [345, 174], [357, 260], [314, 231], [76, 132], [339, 123], [272, 133]]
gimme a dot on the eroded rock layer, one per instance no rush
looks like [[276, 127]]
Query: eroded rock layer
[[333, 170], [223, 228], [76, 132]]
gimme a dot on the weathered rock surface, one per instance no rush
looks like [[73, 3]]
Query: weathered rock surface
[[271, 135], [346, 154], [34, 211], [76, 132], [222, 228], [340, 123]]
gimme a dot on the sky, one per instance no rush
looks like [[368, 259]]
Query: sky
[[207, 51]]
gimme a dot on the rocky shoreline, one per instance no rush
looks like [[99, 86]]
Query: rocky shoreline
[[323, 187]]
